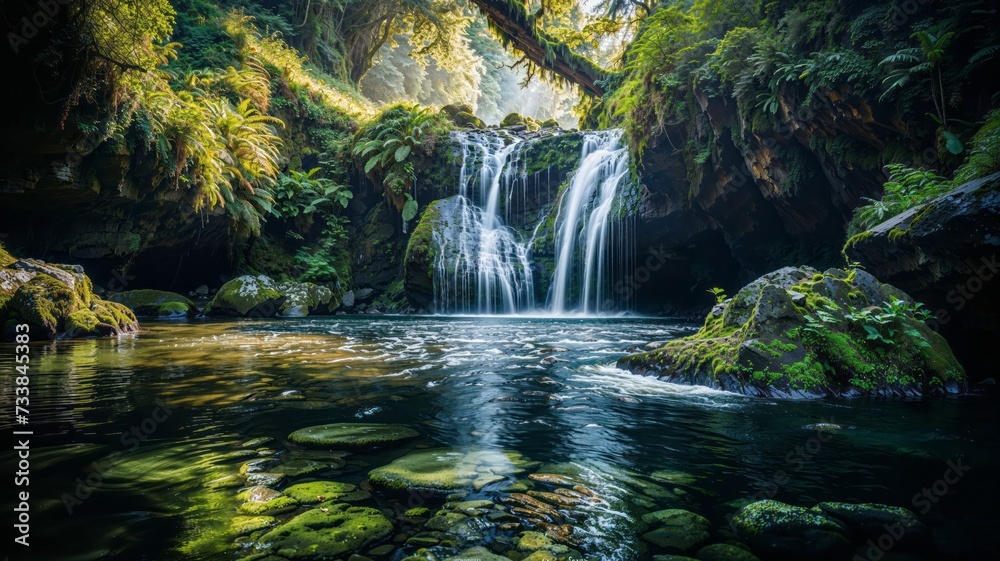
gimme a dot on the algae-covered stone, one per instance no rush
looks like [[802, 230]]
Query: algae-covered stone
[[725, 552], [417, 512], [677, 530], [314, 492], [242, 525], [445, 470], [156, 303], [513, 120], [247, 296], [316, 534], [270, 507], [352, 435], [874, 520], [777, 529]]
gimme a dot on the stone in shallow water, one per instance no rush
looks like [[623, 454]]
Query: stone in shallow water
[[874, 520], [265, 478], [725, 552], [314, 492], [242, 525], [352, 435], [298, 468], [315, 534], [445, 470], [676, 530], [776, 529]]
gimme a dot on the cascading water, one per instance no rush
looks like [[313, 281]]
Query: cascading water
[[594, 244], [481, 265]]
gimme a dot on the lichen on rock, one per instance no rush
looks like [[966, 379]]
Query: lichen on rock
[[247, 296]]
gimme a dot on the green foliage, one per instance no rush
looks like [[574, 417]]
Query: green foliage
[[984, 152], [906, 188], [302, 193], [326, 261], [923, 63], [389, 149], [718, 293]]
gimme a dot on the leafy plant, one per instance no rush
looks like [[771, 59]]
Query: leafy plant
[[907, 187], [302, 193], [719, 293], [389, 146]]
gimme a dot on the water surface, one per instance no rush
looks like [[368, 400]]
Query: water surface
[[472, 383]]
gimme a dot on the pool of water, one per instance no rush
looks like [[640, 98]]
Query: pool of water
[[195, 391]]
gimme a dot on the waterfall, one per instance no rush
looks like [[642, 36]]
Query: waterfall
[[481, 266], [591, 245], [484, 235]]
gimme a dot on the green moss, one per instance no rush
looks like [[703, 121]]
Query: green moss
[[418, 512], [81, 321], [352, 435], [273, 506], [340, 530], [6, 259], [314, 492], [242, 525]]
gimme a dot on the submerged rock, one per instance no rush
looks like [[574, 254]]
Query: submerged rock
[[337, 530], [156, 303], [725, 552], [445, 470], [779, 530], [875, 520], [676, 530], [851, 335], [351, 435], [314, 492], [247, 296]]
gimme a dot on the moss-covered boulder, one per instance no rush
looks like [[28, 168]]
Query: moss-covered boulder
[[247, 296], [56, 301], [463, 116], [873, 520], [676, 530], [779, 530], [328, 533], [798, 332], [725, 552], [307, 299], [156, 303], [550, 124], [513, 120], [352, 435], [445, 470]]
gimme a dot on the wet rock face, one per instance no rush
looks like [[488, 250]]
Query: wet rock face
[[797, 332], [946, 253]]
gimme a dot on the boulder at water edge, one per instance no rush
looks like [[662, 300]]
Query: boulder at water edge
[[156, 303], [247, 296], [797, 332]]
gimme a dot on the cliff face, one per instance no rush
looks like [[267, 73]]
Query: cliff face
[[758, 200], [946, 253]]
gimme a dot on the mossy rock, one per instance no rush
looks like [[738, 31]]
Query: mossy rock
[[479, 553], [550, 124], [873, 520], [315, 534], [513, 120], [779, 530], [352, 435], [445, 470], [242, 525], [58, 301], [307, 299], [797, 332], [247, 296], [314, 492], [156, 303], [677, 530]]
